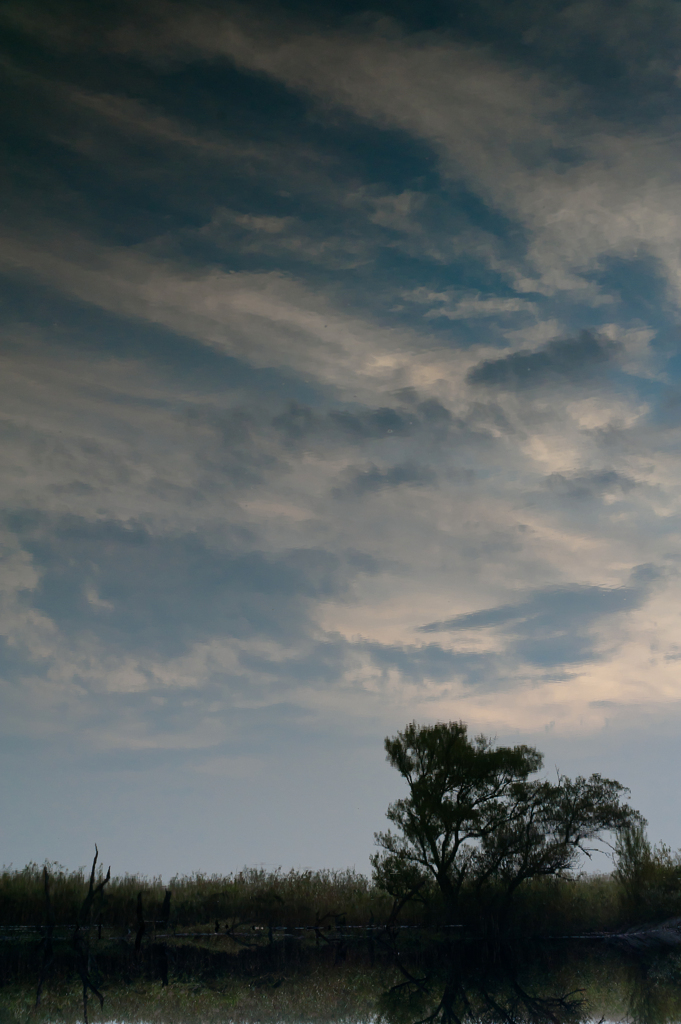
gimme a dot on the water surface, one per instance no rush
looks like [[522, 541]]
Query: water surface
[[370, 976]]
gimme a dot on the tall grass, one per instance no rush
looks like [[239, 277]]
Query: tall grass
[[649, 877], [559, 906], [645, 887], [253, 894]]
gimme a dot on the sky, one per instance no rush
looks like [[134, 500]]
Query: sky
[[340, 388]]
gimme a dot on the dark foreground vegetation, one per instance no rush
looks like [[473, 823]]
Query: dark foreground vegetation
[[484, 861], [479, 828], [392, 978], [479, 842], [643, 888]]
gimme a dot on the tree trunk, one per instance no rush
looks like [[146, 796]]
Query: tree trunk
[[450, 895]]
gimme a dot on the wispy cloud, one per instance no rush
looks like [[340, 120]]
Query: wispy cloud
[[339, 388], [533, 148]]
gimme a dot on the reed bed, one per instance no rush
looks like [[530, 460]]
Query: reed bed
[[545, 906], [294, 898]]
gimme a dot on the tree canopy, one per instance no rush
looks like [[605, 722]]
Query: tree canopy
[[473, 816]]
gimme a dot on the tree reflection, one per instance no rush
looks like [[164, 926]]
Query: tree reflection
[[483, 996], [654, 991]]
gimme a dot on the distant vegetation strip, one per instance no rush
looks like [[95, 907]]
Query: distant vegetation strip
[[480, 841], [650, 890], [277, 897]]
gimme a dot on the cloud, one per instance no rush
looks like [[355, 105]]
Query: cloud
[[426, 662], [135, 136], [570, 360], [580, 604], [537, 149], [589, 485], [643, 39], [556, 626], [163, 594], [428, 420], [371, 479], [184, 588], [265, 319], [299, 423], [287, 237], [531, 146], [468, 306]]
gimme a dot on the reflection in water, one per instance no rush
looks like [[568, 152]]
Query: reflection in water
[[492, 996], [555, 986], [382, 979]]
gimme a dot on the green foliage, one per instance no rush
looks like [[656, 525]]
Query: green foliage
[[634, 861], [22, 893], [473, 831], [277, 897], [254, 895], [458, 791], [547, 826], [474, 820], [546, 905], [550, 906], [402, 879], [649, 878]]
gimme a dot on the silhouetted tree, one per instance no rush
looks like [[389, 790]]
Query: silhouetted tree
[[474, 817]]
